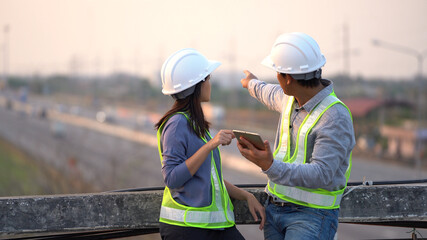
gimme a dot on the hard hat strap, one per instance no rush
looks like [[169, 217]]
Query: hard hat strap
[[187, 92], [307, 76]]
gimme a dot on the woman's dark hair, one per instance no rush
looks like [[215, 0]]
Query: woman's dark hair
[[193, 107]]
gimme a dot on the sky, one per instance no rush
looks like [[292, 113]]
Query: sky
[[94, 37]]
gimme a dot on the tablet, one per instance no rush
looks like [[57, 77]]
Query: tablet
[[254, 138]]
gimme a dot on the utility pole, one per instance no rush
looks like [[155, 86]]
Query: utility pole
[[346, 50], [232, 62], [419, 55], [137, 63], [6, 30], [157, 79], [74, 67]]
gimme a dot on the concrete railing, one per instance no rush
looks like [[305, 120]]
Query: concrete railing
[[139, 211]]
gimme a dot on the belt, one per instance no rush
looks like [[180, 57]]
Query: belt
[[280, 204]]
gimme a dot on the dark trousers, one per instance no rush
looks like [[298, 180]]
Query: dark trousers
[[172, 232]]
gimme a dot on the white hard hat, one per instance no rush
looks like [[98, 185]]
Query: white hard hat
[[183, 70], [297, 54]]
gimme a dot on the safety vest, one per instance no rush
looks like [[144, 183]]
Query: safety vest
[[315, 198], [219, 214]]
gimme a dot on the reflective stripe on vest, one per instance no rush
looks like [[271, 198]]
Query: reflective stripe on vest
[[193, 216], [213, 216], [312, 199], [317, 198]]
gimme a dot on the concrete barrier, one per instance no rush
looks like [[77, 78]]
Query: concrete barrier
[[139, 211]]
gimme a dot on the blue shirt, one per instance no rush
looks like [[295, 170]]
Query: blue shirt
[[179, 142]]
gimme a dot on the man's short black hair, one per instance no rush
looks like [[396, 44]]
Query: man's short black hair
[[310, 83]]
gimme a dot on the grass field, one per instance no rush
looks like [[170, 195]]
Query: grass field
[[22, 175]]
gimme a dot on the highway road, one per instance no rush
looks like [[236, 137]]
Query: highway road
[[114, 156]]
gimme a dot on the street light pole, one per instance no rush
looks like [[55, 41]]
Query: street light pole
[[419, 55]]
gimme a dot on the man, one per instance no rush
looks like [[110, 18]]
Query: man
[[311, 164]]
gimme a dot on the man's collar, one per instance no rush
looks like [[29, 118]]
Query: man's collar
[[310, 104]]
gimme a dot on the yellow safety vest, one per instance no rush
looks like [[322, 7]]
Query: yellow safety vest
[[315, 198], [219, 214]]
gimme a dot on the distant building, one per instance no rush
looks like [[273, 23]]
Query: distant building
[[402, 141], [381, 128], [362, 107]]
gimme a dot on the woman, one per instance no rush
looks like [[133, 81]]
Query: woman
[[196, 202]]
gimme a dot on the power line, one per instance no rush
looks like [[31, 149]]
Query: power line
[[377, 183]]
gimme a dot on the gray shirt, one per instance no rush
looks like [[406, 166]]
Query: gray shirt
[[329, 143]]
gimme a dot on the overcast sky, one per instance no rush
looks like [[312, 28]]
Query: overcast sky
[[103, 36]]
